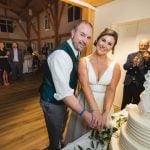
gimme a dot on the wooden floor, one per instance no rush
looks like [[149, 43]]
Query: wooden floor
[[22, 125]]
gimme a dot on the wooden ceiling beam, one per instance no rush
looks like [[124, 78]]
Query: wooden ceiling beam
[[8, 7], [24, 13], [39, 31], [34, 28], [79, 3], [61, 13], [7, 17], [11, 39], [94, 3], [52, 13], [50, 16], [27, 5], [35, 15], [23, 30], [51, 37], [56, 23], [49, 11], [97, 3]]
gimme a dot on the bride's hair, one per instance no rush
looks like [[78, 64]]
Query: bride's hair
[[109, 32]]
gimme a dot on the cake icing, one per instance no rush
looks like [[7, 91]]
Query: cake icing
[[144, 104], [135, 134]]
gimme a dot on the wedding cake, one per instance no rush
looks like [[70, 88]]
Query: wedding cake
[[135, 134]]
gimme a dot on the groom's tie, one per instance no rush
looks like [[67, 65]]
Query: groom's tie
[[78, 56]]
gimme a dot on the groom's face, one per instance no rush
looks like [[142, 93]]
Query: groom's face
[[81, 36]]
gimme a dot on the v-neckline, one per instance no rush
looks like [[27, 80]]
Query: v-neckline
[[98, 79]]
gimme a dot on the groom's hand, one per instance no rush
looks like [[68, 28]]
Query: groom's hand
[[88, 117]]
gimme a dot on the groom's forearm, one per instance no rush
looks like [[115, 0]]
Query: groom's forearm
[[73, 103]]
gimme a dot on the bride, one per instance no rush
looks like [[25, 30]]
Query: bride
[[99, 77]]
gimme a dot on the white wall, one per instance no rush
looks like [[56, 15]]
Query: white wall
[[131, 19]]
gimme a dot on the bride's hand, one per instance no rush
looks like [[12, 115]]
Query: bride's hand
[[96, 115], [104, 120], [98, 119], [92, 119]]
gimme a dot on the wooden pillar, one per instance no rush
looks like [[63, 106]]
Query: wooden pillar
[[88, 14], [28, 31], [56, 23], [39, 34]]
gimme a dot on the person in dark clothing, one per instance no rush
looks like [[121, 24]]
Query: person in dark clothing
[[30, 50], [4, 65], [16, 59], [137, 65], [45, 50]]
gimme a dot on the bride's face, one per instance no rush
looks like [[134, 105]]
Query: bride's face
[[105, 44]]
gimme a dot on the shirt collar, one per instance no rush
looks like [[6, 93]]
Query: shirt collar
[[73, 48]]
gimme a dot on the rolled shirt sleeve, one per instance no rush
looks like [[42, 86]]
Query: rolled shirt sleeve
[[60, 65]]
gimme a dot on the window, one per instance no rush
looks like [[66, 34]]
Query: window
[[6, 26], [10, 26], [47, 23], [8, 46], [34, 46], [74, 13], [49, 45]]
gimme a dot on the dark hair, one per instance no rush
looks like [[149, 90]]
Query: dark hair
[[82, 21], [3, 43], [109, 32], [16, 44]]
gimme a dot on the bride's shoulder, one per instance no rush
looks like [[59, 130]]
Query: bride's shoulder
[[111, 61], [85, 59], [115, 64]]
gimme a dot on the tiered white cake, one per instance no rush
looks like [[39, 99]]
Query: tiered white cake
[[135, 134]]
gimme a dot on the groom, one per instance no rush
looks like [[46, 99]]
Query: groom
[[60, 81]]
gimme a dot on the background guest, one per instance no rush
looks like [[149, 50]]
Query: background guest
[[29, 50], [45, 50], [4, 65], [16, 61], [136, 66]]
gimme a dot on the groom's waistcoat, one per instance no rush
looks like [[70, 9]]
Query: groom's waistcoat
[[47, 89]]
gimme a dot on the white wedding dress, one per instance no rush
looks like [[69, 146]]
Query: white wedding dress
[[77, 126]]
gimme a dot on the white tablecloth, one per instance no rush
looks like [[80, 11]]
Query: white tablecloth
[[27, 65], [85, 142]]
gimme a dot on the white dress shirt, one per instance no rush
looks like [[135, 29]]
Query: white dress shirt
[[15, 55], [60, 65]]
